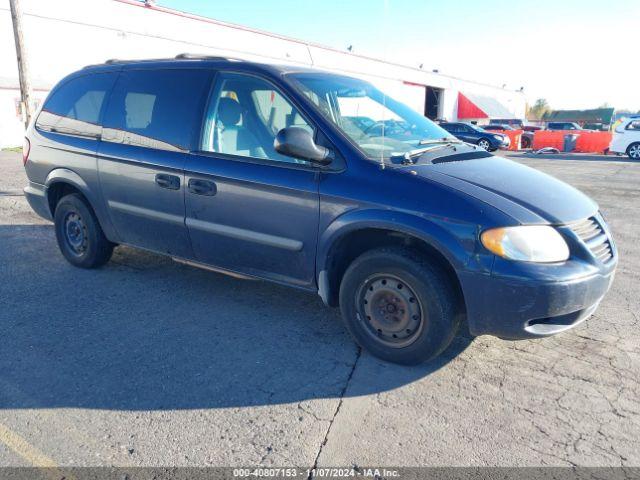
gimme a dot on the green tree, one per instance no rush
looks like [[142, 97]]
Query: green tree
[[539, 108]]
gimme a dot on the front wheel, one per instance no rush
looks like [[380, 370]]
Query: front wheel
[[399, 307], [484, 144], [634, 151], [80, 237]]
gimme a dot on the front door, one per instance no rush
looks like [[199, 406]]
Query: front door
[[248, 208], [467, 134]]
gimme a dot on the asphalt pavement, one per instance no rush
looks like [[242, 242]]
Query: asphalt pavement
[[146, 362]]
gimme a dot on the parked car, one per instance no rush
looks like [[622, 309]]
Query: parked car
[[246, 169], [598, 127], [526, 138], [497, 127], [626, 138], [515, 123], [473, 134], [528, 132], [563, 126]]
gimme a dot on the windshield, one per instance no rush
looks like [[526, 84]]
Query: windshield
[[380, 126], [476, 128]]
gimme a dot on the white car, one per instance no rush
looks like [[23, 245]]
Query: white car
[[626, 138]]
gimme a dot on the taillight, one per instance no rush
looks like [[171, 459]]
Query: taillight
[[26, 148]]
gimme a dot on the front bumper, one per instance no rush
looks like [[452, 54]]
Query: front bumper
[[512, 307]]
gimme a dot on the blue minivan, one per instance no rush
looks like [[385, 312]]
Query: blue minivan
[[321, 182]]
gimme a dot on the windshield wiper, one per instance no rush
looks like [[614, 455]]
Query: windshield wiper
[[429, 141], [410, 157]]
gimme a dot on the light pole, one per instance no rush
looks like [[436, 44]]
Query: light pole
[[23, 70]]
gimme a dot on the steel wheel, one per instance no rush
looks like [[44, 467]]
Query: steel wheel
[[75, 233], [482, 143], [390, 310], [634, 151]]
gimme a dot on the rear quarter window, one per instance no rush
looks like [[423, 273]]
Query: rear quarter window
[[158, 109], [75, 107]]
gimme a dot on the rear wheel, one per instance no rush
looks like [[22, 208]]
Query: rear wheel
[[634, 151], [80, 237], [397, 306], [484, 144]]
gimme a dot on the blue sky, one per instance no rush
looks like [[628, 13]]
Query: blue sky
[[577, 54]]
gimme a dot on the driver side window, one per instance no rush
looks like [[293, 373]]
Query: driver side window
[[244, 115]]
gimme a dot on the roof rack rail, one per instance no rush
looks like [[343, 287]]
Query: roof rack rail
[[196, 56], [181, 56], [113, 61]]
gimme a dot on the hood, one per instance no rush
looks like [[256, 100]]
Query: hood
[[524, 193]]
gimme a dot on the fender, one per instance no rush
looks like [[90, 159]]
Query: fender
[[433, 231], [65, 175]]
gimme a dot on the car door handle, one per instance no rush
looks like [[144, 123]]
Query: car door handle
[[202, 187], [168, 181]]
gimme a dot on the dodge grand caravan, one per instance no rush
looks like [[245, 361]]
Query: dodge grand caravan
[[293, 175]]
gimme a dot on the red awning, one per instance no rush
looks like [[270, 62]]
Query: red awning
[[472, 105], [468, 109]]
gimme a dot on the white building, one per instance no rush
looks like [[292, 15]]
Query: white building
[[64, 35]]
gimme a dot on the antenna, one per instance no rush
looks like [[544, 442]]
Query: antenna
[[384, 95]]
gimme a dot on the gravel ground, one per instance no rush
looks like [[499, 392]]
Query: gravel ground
[[147, 362]]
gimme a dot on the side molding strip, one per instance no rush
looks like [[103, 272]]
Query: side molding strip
[[146, 212], [247, 235]]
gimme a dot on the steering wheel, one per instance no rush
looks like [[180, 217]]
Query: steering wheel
[[370, 127]]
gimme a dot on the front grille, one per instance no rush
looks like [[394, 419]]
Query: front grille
[[591, 232]]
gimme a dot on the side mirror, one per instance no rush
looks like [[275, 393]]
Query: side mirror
[[297, 142]]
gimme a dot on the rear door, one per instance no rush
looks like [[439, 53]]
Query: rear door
[[250, 209], [151, 121]]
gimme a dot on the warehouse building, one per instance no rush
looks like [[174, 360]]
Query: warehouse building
[[65, 35]]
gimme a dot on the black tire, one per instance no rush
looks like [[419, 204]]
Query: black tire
[[525, 143], [485, 143], [407, 275], [633, 151], [80, 237]]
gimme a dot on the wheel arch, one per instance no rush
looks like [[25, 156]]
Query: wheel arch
[[632, 144], [63, 181], [353, 234]]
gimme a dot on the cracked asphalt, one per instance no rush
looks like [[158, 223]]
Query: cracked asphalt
[[150, 363]]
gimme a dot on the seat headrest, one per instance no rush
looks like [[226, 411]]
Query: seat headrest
[[229, 111]]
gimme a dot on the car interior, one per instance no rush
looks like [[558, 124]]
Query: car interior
[[245, 115]]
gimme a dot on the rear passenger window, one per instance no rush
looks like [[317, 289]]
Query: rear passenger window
[[75, 107], [156, 108]]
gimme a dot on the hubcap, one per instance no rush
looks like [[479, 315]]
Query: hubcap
[[483, 144], [390, 310], [75, 233], [634, 151]]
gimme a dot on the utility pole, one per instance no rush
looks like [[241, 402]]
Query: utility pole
[[23, 70]]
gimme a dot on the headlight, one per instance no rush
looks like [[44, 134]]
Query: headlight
[[500, 138], [528, 243]]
